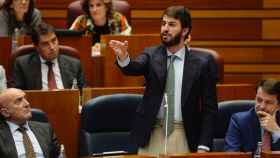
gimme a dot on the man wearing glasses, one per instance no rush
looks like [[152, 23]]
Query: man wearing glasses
[[46, 68], [259, 125]]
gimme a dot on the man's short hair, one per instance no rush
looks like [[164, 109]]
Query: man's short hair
[[41, 29], [271, 86], [180, 13]]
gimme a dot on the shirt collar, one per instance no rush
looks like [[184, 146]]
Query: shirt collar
[[43, 61], [180, 54], [14, 127]]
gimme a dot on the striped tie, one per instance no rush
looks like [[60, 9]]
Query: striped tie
[[29, 151]]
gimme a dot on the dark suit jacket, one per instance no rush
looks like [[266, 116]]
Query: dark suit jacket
[[199, 101], [42, 131], [27, 72], [244, 132]]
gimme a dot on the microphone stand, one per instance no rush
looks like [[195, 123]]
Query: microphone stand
[[166, 124]]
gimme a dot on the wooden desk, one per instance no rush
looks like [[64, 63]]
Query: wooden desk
[[62, 110], [271, 154], [224, 91], [213, 155]]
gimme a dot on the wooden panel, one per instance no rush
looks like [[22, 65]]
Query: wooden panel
[[252, 68], [270, 29], [196, 4], [53, 3], [224, 91], [248, 78], [271, 3], [5, 51], [62, 113], [205, 29], [211, 14], [57, 23], [137, 43], [253, 55], [226, 29]]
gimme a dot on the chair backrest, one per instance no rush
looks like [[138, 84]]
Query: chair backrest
[[106, 122], [39, 115], [219, 60], [225, 110], [74, 10]]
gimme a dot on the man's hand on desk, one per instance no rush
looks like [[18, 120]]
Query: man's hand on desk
[[120, 49]]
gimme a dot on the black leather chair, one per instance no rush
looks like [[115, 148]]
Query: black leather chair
[[106, 122], [226, 109], [39, 115]]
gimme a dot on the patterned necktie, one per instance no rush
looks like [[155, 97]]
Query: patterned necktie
[[266, 141], [29, 151], [170, 92], [51, 78]]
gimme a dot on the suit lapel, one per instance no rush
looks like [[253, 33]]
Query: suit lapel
[[160, 65], [40, 137], [35, 65], [189, 72], [255, 129], [64, 71], [8, 141]]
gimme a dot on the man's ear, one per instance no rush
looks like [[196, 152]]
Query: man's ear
[[4, 112], [185, 31]]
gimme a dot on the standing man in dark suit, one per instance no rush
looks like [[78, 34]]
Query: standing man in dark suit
[[46, 68], [16, 130], [259, 124], [194, 83]]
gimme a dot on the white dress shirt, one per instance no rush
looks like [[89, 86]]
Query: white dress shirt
[[57, 74], [17, 136]]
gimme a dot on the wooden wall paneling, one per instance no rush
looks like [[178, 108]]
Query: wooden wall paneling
[[62, 114], [253, 55], [5, 52], [224, 91], [252, 68], [137, 43], [270, 29], [209, 29], [197, 4], [226, 29], [271, 3], [53, 3]]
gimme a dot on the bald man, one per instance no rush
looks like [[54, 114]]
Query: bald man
[[15, 114]]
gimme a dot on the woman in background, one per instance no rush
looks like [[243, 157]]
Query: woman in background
[[99, 18], [18, 14]]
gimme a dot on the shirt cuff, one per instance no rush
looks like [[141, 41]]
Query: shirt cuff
[[123, 63], [275, 136], [203, 147]]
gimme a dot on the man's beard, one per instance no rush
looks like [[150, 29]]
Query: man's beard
[[173, 41]]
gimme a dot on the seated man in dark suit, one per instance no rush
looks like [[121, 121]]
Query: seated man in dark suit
[[46, 68], [20, 137], [259, 124]]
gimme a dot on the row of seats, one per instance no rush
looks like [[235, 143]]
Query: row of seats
[[98, 133]]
